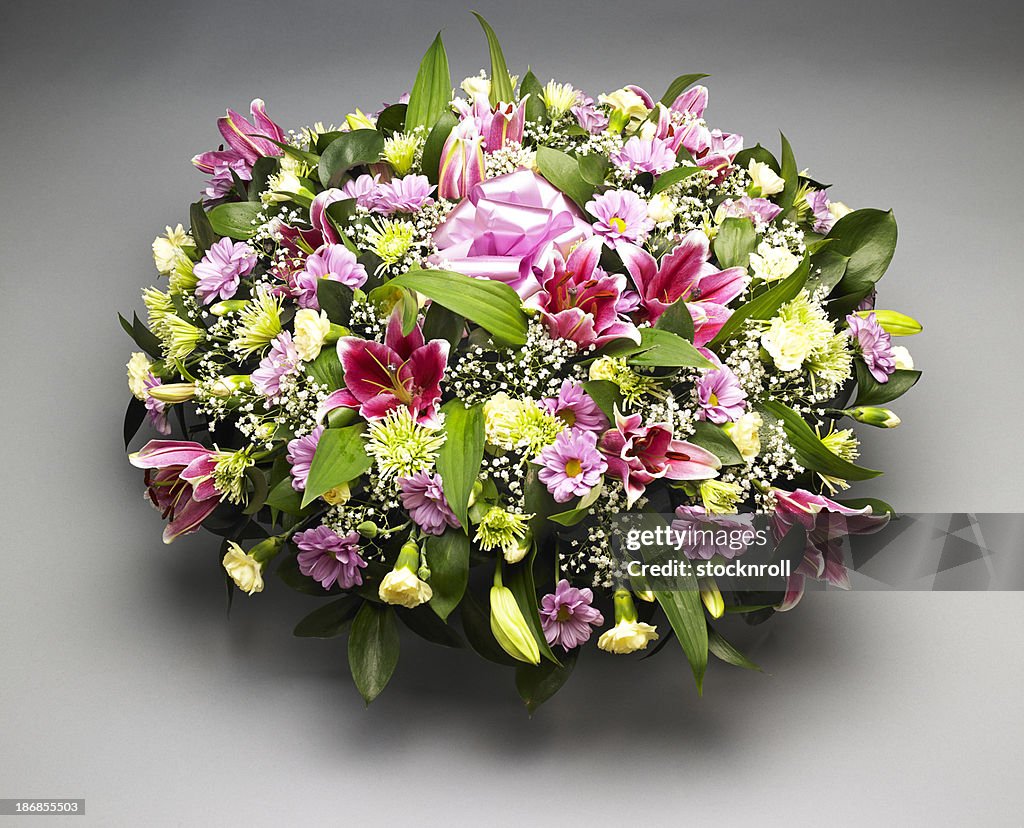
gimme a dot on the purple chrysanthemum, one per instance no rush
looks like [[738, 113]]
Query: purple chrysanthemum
[[621, 217], [874, 345], [701, 536], [639, 155], [300, 456], [363, 189], [720, 396], [575, 408], [566, 615], [572, 465], [220, 270], [588, 116], [330, 261], [156, 410], [818, 201], [282, 361], [329, 558], [404, 195], [759, 210], [424, 500]]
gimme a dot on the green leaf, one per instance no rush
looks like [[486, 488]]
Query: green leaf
[[606, 394], [141, 336], [519, 579], [202, 232], [536, 111], [326, 369], [501, 81], [672, 177], [790, 174], [434, 146], [441, 323], [492, 305], [868, 239], [340, 457], [722, 649], [392, 119], [581, 510], [563, 172], [284, 497], [429, 627], [735, 242], [432, 90], [827, 268], [389, 296], [878, 507], [373, 649], [458, 460], [677, 319], [448, 560], [235, 220], [536, 685], [261, 172], [260, 490], [661, 349], [685, 613], [811, 453], [756, 153], [711, 437], [765, 305], [872, 392], [680, 85], [335, 300], [134, 416], [329, 621], [593, 168], [350, 149]]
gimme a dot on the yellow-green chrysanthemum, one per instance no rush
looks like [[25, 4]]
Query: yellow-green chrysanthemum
[[401, 446]]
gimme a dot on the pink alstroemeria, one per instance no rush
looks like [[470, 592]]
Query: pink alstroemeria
[[579, 301], [686, 274], [253, 140], [638, 455], [179, 482], [380, 377], [826, 523]]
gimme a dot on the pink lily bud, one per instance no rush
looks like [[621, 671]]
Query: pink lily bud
[[462, 162], [505, 124], [693, 101]]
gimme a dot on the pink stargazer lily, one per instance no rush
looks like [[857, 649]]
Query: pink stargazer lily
[[686, 274], [579, 301], [826, 523], [252, 140], [179, 481], [638, 455], [401, 371]]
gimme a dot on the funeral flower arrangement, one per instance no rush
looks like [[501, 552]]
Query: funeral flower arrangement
[[413, 362]]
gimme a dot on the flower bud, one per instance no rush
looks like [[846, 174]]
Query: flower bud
[[893, 322], [368, 529], [230, 385], [267, 548], [174, 392], [870, 415], [510, 628], [338, 495], [228, 306], [462, 162], [712, 597]]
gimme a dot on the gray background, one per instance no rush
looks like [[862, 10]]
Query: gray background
[[122, 681]]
